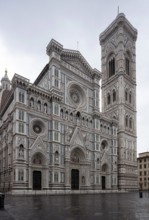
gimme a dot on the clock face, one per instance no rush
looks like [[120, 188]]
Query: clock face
[[37, 129]]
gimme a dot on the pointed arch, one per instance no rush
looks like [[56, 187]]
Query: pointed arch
[[130, 122], [39, 105], [45, 107], [126, 94], [66, 115], [114, 95], [104, 167], [126, 121], [61, 113], [38, 159], [56, 157], [111, 64], [130, 97], [32, 102], [108, 98], [128, 62], [71, 116], [77, 155]]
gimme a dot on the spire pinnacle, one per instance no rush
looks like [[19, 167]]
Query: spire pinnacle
[[6, 73], [118, 10]]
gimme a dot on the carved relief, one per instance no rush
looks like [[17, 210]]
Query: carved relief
[[21, 140], [38, 146], [21, 151]]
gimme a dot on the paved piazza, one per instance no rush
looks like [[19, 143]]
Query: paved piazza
[[118, 206]]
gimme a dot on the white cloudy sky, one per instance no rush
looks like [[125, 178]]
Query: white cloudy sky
[[26, 27]]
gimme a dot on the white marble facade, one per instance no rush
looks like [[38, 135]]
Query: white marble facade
[[53, 134]]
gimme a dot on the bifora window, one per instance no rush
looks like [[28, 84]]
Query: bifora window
[[21, 127], [127, 63], [56, 72], [114, 95], [56, 109], [126, 121], [20, 175], [130, 97], [56, 136], [127, 66], [108, 99], [126, 95], [21, 115], [130, 123], [111, 66], [21, 97]]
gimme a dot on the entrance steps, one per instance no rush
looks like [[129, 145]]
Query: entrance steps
[[62, 192]]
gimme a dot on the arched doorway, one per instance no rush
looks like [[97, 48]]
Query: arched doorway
[[103, 177], [37, 162], [77, 159]]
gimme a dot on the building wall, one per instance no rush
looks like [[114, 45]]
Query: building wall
[[143, 170], [53, 137], [119, 77], [55, 133]]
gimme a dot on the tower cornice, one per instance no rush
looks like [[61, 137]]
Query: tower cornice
[[120, 21]]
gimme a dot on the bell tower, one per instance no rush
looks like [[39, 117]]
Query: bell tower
[[119, 93]]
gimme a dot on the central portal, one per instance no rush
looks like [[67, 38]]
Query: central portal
[[36, 180], [103, 182], [74, 179]]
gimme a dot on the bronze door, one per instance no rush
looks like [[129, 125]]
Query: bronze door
[[75, 179], [103, 182], [36, 180]]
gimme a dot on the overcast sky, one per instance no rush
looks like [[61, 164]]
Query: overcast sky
[[26, 27]]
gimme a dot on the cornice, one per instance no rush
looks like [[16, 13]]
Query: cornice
[[49, 94], [68, 54], [120, 21], [19, 81], [54, 46]]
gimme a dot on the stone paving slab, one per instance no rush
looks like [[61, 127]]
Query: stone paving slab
[[124, 206]]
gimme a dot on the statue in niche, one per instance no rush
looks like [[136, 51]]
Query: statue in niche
[[21, 151], [56, 157], [83, 179], [45, 108]]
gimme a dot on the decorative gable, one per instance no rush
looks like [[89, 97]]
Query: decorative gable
[[38, 146], [77, 138], [77, 64]]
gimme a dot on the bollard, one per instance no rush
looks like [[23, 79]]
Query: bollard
[[141, 194], [2, 197]]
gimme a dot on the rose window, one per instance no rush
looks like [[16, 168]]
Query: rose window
[[38, 126], [76, 95], [37, 129]]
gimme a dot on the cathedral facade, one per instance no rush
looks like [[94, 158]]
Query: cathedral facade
[[53, 134]]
